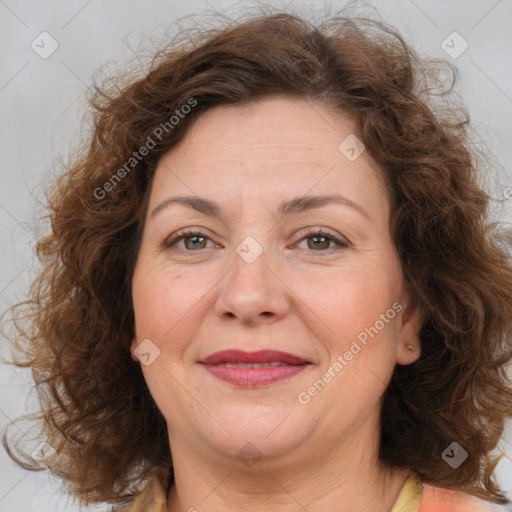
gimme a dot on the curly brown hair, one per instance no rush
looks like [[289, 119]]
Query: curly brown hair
[[75, 331]]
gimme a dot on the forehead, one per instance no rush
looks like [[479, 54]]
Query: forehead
[[268, 127], [278, 146]]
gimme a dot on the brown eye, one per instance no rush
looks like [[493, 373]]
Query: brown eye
[[318, 241], [193, 240]]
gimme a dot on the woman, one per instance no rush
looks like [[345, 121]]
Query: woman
[[271, 285]]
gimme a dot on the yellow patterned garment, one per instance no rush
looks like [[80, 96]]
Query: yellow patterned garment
[[414, 497], [409, 499], [153, 498]]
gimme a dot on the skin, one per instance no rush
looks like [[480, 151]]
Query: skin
[[199, 296]]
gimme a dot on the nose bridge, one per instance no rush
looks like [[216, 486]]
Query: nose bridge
[[251, 290]]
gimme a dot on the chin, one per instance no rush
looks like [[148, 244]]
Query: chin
[[252, 437]]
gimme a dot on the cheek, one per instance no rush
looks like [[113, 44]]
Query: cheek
[[347, 300], [166, 306], [162, 299]]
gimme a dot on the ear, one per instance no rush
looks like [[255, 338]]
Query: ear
[[408, 348], [133, 346]]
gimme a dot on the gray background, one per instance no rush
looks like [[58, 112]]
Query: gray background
[[42, 101]]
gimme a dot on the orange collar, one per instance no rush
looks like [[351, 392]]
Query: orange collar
[[418, 497]]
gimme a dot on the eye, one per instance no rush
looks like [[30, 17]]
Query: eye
[[321, 240], [197, 240]]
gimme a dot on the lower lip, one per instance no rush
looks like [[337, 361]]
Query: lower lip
[[254, 377]]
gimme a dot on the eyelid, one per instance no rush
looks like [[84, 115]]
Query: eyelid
[[318, 230], [180, 234]]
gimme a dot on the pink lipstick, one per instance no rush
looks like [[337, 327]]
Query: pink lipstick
[[253, 369]]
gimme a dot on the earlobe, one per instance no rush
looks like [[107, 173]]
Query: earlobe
[[133, 346], [409, 343], [408, 352]]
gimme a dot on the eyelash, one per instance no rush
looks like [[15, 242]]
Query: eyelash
[[181, 235]]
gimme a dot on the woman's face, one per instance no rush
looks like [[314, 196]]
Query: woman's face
[[255, 277]]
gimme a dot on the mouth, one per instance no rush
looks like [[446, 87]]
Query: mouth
[[274, 364], [253, 369], [253, 358]]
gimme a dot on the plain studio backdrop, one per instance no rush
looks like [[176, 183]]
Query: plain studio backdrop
[[52, 50]]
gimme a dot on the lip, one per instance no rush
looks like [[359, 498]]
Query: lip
[[262, 356], [253, 377]]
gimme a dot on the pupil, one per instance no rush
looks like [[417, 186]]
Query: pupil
[[317, 238], [195, 238]]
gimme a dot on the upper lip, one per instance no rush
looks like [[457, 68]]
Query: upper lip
[[262, 356]]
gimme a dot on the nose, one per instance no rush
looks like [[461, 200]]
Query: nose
[[253, 292]]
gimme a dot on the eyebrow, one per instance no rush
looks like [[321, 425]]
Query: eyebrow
[[292, 206]]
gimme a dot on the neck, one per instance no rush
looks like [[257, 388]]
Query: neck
[[346, 477]]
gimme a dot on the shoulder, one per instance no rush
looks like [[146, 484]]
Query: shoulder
[[436, 499], [152, 498]]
